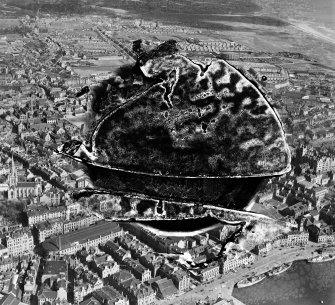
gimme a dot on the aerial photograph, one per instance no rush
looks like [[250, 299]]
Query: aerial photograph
[[167, 152]]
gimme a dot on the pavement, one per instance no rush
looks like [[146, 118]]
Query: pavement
[[223, 286]]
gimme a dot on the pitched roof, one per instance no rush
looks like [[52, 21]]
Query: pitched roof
[[107, 293], [26, 184], [101, 259], [122, 276], [143, 290], [179, 274], [166, 287], [131, 283], [90, 301], [112, 246], [47, 294], [9, 300], [154, 280], [93, 232]]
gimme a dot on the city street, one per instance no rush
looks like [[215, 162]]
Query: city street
[[224, 284]]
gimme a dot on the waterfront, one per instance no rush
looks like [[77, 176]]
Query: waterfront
[[273, 291], [303, 284]]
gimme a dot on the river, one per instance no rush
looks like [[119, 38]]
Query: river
[[303, 284]]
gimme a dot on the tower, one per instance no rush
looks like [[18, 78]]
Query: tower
[[31, 107], [13, 179]]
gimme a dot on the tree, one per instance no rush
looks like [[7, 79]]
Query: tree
[[170, 211], [297, 170]]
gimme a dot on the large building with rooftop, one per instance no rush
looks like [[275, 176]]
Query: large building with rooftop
[[91, 236]]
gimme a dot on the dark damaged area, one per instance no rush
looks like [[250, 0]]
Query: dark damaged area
[[172, 128], [190, 119]]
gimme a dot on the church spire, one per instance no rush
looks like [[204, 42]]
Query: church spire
[[13, 165], [31, 106], [13, 175]]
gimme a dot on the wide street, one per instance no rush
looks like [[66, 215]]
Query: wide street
[[224, 284]]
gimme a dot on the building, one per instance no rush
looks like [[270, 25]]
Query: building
[[72, 242], [297, 238], [207, 274], [51, 197], [54, 282], [298, 209], [181, 280], [318, 193], [322, 164], [73, 210], [85, 284], [79, 221], [291, 239], [104, 265], [152, 261], [320, 233], [121, 277], [179, 277], [38, 214], [231, 263], [8, 263], [262, 249], [139, 293], [140, 272], [108, 295], [117, 252], [164, 288], [19, 242], [51, 120], [30, 285], [46, 296], [20, 189], [136, 248], [280, 241], [158, 243], [54, 269], [326, 238], [9, 299], [46, 229]]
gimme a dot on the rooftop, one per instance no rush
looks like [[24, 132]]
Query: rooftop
[[47, 225], [122, 276], [92, 232], [107, 294], [26, 184], [90, 301], [44, 209], [166, 287], [55, 267], [9, 300]]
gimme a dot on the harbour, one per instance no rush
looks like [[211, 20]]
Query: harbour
[[303, 284]]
